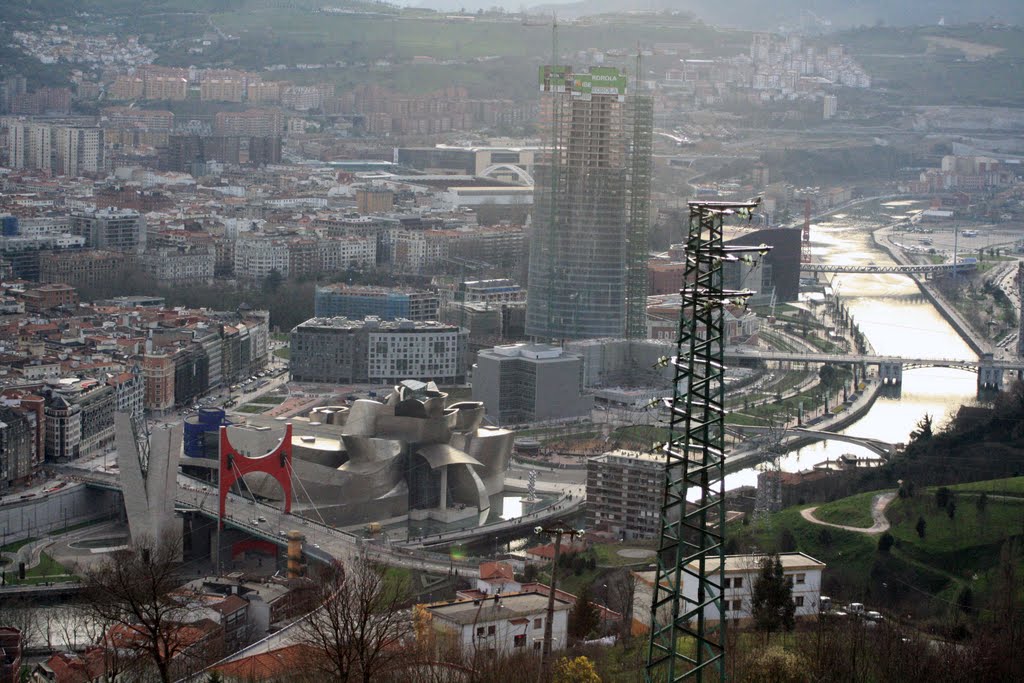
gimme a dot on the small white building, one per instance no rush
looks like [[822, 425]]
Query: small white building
[[741, 571], [504, 623]]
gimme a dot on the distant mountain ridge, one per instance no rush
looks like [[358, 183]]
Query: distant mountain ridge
[[755, 14]]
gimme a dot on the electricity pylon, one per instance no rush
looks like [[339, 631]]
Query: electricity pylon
[[683, 642]]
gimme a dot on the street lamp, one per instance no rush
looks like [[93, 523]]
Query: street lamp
[[557, 532]]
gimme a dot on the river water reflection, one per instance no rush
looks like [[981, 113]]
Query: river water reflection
[[897, 320]]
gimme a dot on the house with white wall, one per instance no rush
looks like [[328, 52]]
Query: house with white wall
[[741, 571], [504, 623]]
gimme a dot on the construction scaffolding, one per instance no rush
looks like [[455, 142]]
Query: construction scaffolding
[[641, 111], [592, 203], [687, 638]]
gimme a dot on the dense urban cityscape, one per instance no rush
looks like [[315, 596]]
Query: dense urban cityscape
[[573, 343]]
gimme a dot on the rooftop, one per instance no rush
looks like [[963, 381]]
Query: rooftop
[[495, 608]]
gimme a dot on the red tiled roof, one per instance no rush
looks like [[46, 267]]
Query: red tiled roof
[[501, 571], [269, 666]]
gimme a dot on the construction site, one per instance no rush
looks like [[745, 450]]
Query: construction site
[[588, 256]]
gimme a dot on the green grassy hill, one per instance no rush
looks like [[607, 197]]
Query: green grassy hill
[[923, 576]]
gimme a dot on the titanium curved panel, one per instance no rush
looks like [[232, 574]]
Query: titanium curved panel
[[362, 417], [414, 429], [469, 415], [493, 449], [367, 454], [441, 454], [466, 487]]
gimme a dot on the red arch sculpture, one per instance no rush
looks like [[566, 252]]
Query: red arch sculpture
[[277, 463]]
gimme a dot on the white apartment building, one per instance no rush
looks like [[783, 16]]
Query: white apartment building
[[44, 225], [503, 623], [79, 150], [416, 249], [255, 257], [170, 266], [411, 349], [340, 253], [377, 351], [802, 571], [29, 145]]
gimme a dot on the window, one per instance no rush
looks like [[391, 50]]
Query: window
[[737, 582], [800, 578], [538, 622], [519, 640], [734, 605], [490, 630], [536, 644], [798, 601], [480, 631]]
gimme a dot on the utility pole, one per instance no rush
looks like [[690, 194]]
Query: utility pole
[[557, 532]]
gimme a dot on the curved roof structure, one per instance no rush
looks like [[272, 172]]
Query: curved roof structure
[[441, 454]]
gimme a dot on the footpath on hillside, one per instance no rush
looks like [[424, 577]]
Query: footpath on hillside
[[878, 505]]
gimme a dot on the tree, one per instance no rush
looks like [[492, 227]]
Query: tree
[[273, 280], [942, 496], [578, 670], [622, 593], [584, 618], [923, 432], [951, 508], [981, 503], [920, 527], [827, 375], [132, 590], [965, 601], [825, 537], [885, 542], [772, 603], [360, 621]]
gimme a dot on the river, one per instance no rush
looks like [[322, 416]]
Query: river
[[897, 320]]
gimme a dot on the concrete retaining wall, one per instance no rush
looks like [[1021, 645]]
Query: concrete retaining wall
[[35, 517]]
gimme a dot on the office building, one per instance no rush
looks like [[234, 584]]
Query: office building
[[354, 301], [588, 250], [522, 383]]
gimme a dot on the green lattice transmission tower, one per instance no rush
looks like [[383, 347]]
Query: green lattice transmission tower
[[687, 637]]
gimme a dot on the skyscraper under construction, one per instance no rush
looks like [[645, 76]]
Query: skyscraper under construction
[[588, 250]]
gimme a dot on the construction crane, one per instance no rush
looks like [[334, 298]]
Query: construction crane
[[683, 643]]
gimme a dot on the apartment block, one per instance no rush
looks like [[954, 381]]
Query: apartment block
[[79, 150], [112, 229], [624, 493], [380, 352], [354, 301]]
